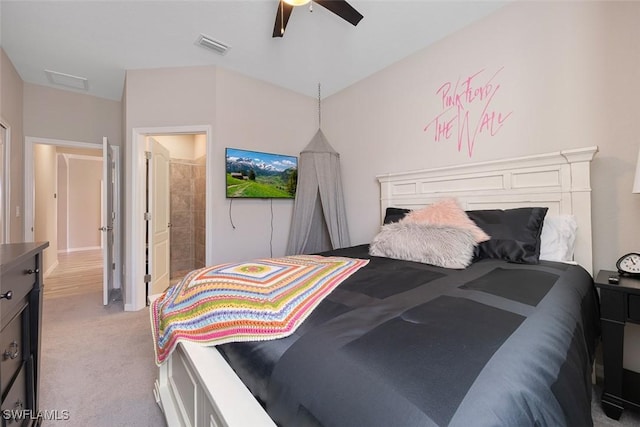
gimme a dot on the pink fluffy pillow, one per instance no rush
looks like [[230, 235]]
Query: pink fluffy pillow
[[447, 212]]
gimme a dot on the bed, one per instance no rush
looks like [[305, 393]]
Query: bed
[[409, 343]]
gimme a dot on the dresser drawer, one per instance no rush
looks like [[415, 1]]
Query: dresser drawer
[[13, 346], [19, 281], [15, 401]]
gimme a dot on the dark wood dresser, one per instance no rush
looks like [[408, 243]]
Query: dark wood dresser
[[20, 326]]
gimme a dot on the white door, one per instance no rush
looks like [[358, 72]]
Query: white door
[[108, 216], [158, 226]]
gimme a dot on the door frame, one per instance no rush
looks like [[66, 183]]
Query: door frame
[[135, 285], [6, 183], [29, 191]]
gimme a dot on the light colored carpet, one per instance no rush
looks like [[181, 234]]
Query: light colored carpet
[[629, 418], [97, 363]]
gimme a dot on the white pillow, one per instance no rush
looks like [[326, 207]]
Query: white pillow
[[558, 238]]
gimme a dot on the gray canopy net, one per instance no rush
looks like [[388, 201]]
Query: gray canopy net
[[319, 215]]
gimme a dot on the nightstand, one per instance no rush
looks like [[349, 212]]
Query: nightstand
[[619, 303]]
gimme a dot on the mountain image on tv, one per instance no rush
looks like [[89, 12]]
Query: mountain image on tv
[[253, 174]]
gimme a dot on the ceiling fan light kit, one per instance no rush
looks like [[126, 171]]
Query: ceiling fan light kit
[[340, 7], [296, 2]]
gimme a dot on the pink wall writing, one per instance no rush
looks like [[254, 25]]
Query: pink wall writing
[[467, 111]]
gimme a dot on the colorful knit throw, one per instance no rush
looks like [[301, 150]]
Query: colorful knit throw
[[259, 300]]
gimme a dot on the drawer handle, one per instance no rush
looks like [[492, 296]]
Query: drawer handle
[[7, 295], [30, 271], [12, 351]]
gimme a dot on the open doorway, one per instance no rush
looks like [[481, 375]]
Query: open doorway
[[137, 291], [67, 210], [183, 208], [64, 184]]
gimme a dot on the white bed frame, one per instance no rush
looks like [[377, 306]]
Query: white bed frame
[[196, 387]]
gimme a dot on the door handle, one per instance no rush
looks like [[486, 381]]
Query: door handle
[[105, 228], [12, 352]]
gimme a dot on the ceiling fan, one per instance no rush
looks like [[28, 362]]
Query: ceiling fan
[[339, 7]]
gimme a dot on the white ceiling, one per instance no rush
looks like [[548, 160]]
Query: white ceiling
[[99, 40]]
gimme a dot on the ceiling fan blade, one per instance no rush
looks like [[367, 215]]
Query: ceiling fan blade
[[282, 18], [342, 9]]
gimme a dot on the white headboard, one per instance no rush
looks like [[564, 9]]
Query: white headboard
[[559, 180]]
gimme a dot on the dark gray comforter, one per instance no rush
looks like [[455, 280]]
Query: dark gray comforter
[[407, 344]]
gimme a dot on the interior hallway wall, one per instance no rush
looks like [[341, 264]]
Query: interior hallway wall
[[45, 209], [63, 184], [85, 203], [64, 155], [11, 110]]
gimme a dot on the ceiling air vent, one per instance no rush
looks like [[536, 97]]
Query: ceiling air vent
[[67, 80], [214, 45]]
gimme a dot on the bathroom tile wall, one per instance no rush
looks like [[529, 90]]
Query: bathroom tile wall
[[200, 178], [188, 205]]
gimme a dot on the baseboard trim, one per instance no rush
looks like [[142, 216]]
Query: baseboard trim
[[50, 269], [86, 248]]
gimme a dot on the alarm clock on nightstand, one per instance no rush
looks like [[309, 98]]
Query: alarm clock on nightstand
[[629, 264]]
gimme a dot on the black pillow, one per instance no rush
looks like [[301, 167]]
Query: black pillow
[[395, 214], [515, 234]]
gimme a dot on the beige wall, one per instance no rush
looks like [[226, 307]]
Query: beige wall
[[160, 98], [243, 113], [11, 106], [179, 146], [200, 146], [62, 114], [191, 146], [63, 185], [568, 77], [45, 209], [256, 116], [65, 225], [84, 193]]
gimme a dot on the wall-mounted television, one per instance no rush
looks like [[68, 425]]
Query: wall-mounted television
[[254, 174]]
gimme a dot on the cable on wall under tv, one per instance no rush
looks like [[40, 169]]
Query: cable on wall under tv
[[230, 218], [271, 237]]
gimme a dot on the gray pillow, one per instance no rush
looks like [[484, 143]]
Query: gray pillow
[[442, 246]]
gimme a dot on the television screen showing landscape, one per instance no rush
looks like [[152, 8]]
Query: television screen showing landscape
[[253, 174]]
